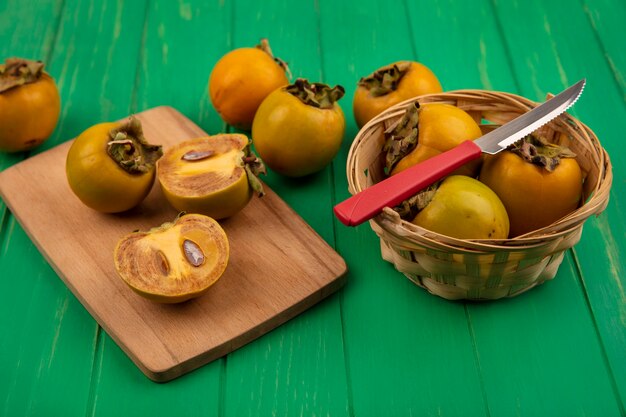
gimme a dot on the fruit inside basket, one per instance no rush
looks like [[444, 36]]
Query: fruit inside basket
[[480, 269]]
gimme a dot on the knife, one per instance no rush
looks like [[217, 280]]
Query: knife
[[397, 188]]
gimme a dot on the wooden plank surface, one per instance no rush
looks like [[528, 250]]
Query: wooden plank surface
[[47, 335], [493, 66], [172, 32], [557, 60], [397, 336], [300, 367], [381, 346], [278, 265]]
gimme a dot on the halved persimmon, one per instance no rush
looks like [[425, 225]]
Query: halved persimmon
[[213, 175], [175, 262]]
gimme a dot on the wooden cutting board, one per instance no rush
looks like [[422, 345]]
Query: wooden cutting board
[[278, 265]]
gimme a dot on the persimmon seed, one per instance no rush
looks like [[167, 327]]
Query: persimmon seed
[[162, 261], [193, 253], [197, 155]]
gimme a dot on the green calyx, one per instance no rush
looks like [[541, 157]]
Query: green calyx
[[401, 138], [316, 94], [130, 150], [254, 167], [538, 151], [17, 71], [265, 47], [386, 79]]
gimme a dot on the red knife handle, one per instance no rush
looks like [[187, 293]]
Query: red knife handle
[[395, 189]]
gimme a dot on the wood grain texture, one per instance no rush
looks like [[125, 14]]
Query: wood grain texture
[[174, 35], [278, 265], [32, 39], [496, 328], [402, 345], [380, 346], [299, 368], [607, 17], [557, 60], [47, 335]]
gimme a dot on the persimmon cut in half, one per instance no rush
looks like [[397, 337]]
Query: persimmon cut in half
[[174, 262], [214, 175]]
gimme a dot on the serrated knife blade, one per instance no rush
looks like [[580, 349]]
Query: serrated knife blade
[[395, 189], [509, 133]]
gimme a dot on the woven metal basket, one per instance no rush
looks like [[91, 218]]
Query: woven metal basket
[[481, 269]]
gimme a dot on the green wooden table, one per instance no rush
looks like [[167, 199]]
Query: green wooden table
[[381, 346]]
